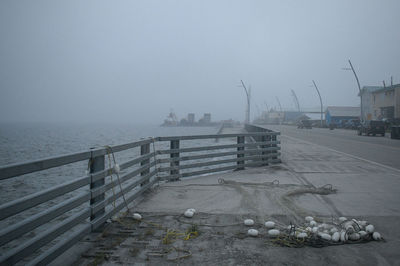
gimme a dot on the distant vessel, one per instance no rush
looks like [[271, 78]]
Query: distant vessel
[[171, 121]]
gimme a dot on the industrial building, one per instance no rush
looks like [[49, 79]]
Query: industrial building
[[386, 103], [339, 115], [367, 101]]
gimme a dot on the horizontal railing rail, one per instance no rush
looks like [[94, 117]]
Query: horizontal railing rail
[[61, 215]]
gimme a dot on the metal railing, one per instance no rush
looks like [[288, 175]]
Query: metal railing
[[89, 209]]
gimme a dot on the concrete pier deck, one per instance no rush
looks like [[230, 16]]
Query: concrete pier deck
[[222, 201]]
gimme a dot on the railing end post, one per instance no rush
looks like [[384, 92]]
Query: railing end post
[[96, 164], [174, 145], [145, 149], [240, 163]]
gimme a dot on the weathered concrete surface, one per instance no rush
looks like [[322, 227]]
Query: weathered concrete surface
[[364, 191]]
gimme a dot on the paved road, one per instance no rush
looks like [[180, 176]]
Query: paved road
[[383, 150]]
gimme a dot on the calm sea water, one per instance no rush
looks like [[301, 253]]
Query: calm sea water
[[32, 141]]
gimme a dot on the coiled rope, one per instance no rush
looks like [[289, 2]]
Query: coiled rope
[[112, 171]]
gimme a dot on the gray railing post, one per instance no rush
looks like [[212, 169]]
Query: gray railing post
[[269, 139], [240, 164], [274, 138], [145, 149], [264, 138], [174, 145], [96, 165]]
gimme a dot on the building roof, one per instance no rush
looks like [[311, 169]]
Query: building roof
[[314, 116], [369, 89], [389, 88], [292, 115], [344, 111]]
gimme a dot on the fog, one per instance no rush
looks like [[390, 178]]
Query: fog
[[132, 61]]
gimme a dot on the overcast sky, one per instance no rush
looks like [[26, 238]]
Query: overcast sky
[[133, 61]]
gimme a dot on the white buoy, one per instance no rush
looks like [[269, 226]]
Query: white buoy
[[313, 223], [315, 229], [137, 216], [362, 233], [325, 226], [336, 237], [349, 228], [354, 236], [325, 236], [362, 223], [273, 232], [309, 219], [343, 236], [117, 169], [342, 219], [188, 214], [333, 230], [248, 222], [370, 228], [302, 235], [269, 224], [192, 210], [376, 236], [252, 232]]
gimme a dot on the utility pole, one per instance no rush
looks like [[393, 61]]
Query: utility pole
[[247, 120], [320, 99], [296, 101], [280, 108], [359, 89], [266, 106]]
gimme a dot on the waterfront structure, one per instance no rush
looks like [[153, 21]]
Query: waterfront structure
[[386, 103], [338, 115], [291, 117], [367, 101], [191, 118], [275, 117], [206, 120]]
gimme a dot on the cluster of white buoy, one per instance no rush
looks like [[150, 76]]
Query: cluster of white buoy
[[250, 232], [341, 231], [269, 225]]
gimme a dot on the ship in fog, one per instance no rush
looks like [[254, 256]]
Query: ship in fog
[[189, 121]]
